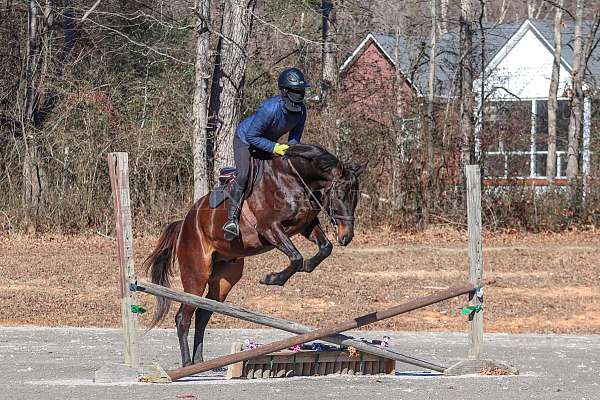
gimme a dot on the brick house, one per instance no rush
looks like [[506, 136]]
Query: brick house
[[518, 65]]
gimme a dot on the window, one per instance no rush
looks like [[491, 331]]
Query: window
[[515, 138], [563, 113]]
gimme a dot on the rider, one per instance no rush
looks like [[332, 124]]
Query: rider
[[275, 117]]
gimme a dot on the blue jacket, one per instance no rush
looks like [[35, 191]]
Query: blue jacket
[[271, 121]]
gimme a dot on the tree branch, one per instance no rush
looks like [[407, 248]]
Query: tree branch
[[143, 45], [91, 10]]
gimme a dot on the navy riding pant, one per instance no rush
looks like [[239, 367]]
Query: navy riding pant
[[241, 156]]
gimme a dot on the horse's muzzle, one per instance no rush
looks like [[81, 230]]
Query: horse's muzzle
[[345, 233], [345, 240]]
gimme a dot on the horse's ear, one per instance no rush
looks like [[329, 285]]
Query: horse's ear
[[360, 168]]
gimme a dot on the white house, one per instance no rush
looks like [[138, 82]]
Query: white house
[[520, 72]]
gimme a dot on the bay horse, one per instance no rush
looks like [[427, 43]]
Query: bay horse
[[285, 202]]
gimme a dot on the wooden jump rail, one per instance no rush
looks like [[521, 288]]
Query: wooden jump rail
[[312, 335], [277, 323]]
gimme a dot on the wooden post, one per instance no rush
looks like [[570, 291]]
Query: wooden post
[[475, 363], [119, 178], [475, 258]]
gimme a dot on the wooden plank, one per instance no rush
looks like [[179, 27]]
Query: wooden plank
[[328, 367], [235, 370], [118, 168], [306, 368], [337, 367], [344, 370], [389, 366], [351, 367], [360, 367], [298, 368], [289, 370], [249, 371], [281, 370], [473, 175], [258, 370], [278, 323], [322, 366], [283, 367], [319, 333], [369, 367]]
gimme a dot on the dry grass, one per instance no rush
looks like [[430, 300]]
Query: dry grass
[[545, 282]]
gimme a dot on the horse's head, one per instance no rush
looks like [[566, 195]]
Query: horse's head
[[339, 183], [342, 201]]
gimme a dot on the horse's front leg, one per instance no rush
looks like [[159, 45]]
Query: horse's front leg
[[315, 234], [277, 237]]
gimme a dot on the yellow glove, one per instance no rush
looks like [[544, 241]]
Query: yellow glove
[[280, 149]]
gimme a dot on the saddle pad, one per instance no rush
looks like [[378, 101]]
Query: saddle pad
[[218, 195]]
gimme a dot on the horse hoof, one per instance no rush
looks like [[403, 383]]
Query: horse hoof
[[306, 268], [271, 279]]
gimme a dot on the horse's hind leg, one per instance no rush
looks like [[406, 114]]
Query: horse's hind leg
[[224, 276], [195, 272], [183, 320], [315, 234], [202, 318]]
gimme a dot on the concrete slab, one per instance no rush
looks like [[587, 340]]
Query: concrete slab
[[60, 363]]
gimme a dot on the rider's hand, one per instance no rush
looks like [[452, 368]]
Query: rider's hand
[[280, 149]]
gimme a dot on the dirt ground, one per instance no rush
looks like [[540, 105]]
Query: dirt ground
[[544, 282]]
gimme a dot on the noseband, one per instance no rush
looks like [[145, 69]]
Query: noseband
[[332, 215]]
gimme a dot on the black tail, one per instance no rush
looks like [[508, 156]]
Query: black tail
[[160, 265]]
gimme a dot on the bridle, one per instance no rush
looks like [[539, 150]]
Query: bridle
[[332, 215]]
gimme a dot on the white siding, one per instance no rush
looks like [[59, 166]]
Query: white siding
[[525, 72]]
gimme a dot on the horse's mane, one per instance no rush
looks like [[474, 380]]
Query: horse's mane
[[323, 159]]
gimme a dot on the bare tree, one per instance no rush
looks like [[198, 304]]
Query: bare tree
[[552, 95], [444, 16], [203, 67], [530, 9], [430, 117], [34, 181], [466, 84], [581, 56], [329, 47], [228, 78], [577, 99]]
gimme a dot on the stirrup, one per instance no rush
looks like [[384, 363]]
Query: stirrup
[[231, 230]]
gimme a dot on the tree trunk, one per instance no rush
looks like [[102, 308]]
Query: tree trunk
[[444, 16], [201, 98], [329, 48], [466, 84], [402, 134], [34, 182], [530, 9], [430, 117], [577, 100], [552, 96], [228, 78]]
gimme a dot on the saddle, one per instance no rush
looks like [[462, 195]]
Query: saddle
[[226, 176]]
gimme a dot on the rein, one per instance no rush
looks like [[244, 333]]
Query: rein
[[331, 216]]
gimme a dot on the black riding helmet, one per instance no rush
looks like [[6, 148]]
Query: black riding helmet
[[293, 86]]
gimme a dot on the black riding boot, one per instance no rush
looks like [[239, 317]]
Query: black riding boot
[[232, 226]]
